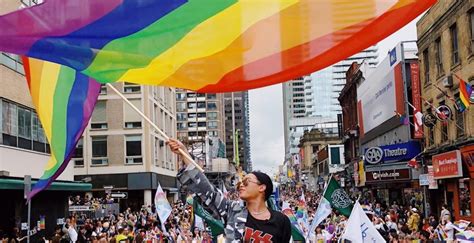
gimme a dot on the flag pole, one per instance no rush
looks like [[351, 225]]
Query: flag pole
[[183, 153]]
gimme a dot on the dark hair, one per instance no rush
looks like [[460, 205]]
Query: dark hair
[[265, 180]]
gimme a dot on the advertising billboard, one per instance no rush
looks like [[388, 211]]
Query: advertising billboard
[[381, 94]]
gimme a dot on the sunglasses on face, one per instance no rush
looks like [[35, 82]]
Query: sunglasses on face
[[246, 181]]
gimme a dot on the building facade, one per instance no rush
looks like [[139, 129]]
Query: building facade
[[446, 44], [386, 142], [119, 151], [241, 126], [350, 123], [200, 117]]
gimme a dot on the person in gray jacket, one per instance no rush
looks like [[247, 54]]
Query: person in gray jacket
[[245, 220]]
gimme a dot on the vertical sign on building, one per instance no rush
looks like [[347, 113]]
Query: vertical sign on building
[[416, 95]]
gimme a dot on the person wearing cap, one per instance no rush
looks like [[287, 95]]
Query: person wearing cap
[[246, 220], [413, 220]]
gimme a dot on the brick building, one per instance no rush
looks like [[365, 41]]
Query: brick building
[[446, 48]]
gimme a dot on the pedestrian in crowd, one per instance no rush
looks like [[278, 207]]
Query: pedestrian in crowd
[[413, 220], [253, 222]]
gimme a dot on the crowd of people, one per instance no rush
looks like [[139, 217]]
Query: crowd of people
[[396, 222]]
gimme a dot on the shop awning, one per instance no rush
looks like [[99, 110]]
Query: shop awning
[[17, 184]]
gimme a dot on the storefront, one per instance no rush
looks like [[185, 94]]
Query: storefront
[[454, 171], [387, 177]]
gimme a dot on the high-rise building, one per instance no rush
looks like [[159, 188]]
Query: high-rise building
[[200, 116], [315, 96], [119, 150], [241, 121]]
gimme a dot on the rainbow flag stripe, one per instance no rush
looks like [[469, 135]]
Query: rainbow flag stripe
[[64, 100], [203, 45], [465, 92]]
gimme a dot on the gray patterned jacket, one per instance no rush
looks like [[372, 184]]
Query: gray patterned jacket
[[233, 213]]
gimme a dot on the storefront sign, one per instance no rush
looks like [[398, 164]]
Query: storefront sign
[[433, 182], [388, 175], [447, 165], [444, 113], [416, 94], [392, 153], [429, 120], [81, 208], [424, 180]]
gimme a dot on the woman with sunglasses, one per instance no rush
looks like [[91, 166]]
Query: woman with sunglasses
[[246, 220]]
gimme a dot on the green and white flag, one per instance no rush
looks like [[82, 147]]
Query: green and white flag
[[338, 198]]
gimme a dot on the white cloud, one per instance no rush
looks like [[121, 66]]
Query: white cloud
[[266, 128]]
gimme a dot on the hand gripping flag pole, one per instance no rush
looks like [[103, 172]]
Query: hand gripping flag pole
[[183, 153]]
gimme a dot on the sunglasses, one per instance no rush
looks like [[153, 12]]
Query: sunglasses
[[246, 181]]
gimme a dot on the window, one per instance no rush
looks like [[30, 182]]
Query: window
[[212, 125], [181, 96], [191, 105], [464, 198], [99, 116], [24, 128], [12, 61], [211, 96], [201, 115], [426, 62], [439, 57], [298, 89], [131, 118], [430, 138], [180, 106], [133, 145], [181, 126], [471, 22], [201, 124], [201, 105], [192, 124], [454, 44], [99, 150], [212, 115], [211, 105], [131, 88], [181, 116], [78, 154], [133, 124], [212, 133], [37, 134], [103, 89], [9, 123]]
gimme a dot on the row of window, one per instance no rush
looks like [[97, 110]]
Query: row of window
[[454, 51], [183, 96], [185, 116], [182, 106], [20, 127], [184, 125], [133, 152]]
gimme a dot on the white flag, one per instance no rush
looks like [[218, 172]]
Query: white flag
[[323, 211], [359, 228], [163, 207]]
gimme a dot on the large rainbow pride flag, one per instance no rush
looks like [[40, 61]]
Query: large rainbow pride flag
[[203, 45], [64, 100]]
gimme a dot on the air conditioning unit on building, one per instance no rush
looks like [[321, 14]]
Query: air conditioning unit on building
[[448, 81]]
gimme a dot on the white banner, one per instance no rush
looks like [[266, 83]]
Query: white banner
[[359, 228]]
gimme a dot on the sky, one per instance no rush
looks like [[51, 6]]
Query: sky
[[267, 145]]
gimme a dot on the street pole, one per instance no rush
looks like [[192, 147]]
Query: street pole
[[233, 126], [27, 189]]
